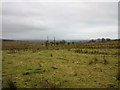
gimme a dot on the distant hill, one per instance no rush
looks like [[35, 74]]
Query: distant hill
[[6, 40]]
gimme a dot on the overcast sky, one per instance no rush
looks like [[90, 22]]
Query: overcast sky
[[64, 20]]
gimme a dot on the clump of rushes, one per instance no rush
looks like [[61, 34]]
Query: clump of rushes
[[105, 61], [75, 73], [118, 76], [91, 62], [69, 49], [78, 51], [11, 84], [40, 64], [95, 60], [51, 55]]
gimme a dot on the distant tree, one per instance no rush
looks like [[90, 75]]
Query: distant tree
[[62, 42], [92, 40], [68, 43], [51, 43], [57, 43], [108, 39], [54, 41], [103, 39], [72, 42], [98, 39], [46, 43]]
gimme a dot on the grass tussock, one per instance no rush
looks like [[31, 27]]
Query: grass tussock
[[11, 84], [49, 84], [91, 62], [33, 72], [118, 76], [51, 55], [105, 61], [94, 61]]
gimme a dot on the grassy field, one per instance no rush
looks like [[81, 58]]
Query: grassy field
[[61, 68]]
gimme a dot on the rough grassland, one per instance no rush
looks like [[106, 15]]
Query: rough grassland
[[60, 69]]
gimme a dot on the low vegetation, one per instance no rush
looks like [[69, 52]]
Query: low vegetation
[[73, 65]]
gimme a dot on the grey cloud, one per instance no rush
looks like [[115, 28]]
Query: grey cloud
[[66, 20], [19, 28]]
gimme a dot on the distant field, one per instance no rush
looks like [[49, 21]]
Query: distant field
[[86, 65]]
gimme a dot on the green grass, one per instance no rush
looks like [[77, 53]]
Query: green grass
[[64, 69]]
